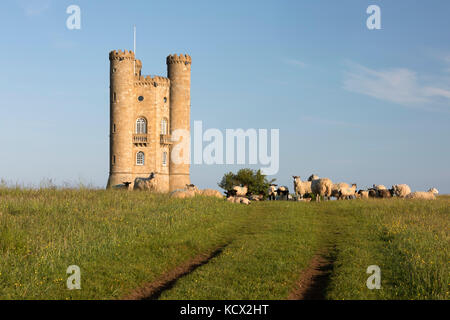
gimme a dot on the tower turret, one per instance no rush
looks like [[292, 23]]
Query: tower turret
[[122, 75], [179, 73]]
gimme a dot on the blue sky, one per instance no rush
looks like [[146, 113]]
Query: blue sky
[[352, 104]]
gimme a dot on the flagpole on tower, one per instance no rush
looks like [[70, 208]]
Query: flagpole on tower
[[134, 47]]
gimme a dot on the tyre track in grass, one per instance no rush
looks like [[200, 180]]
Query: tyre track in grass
[[153, 290], [314, 280]]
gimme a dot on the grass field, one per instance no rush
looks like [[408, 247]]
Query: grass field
[[125, 240]]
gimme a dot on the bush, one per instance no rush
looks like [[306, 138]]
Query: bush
[[256, 181]]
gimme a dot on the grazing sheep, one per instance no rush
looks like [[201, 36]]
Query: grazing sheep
[[283, 193], [146, 184], [321, 188], [336, 187], [301, 188], [401, 190], [373, 193], [384, 193], [272, 192], [240, 191], [363, 194], [348, 193], [211, 193], [429, 195]]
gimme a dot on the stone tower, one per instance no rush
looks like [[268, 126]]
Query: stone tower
[[143, 113], [179, 73]]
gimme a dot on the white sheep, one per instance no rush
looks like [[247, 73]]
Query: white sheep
[[211, 193], [401, 190], [336, 187], [429, 195], [321, 188], [301, 188], [348, 192]]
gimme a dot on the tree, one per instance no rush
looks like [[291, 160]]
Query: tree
[[256, 182]]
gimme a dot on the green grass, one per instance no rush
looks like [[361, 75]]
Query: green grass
[[122, 240]]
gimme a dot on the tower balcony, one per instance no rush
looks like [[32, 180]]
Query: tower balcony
[[140, 138], [166, 139]]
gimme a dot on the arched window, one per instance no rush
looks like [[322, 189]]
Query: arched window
[[164, 159], [164, 127], [140, 158], [141, 126]]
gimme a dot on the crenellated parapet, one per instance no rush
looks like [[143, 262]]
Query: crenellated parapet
[[121, 55], [182, 58], [153, 81]]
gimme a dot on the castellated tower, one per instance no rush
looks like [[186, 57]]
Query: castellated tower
[[179, 73], [141, 120]]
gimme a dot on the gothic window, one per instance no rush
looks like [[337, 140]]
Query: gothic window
[[164, 128], [140, 158], [164, 159], [141, 126]]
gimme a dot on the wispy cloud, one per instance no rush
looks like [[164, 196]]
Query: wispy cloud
[[398, 85], [34, 7], [296, 63]]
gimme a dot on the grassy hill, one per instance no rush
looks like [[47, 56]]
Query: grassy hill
[[138, 245]]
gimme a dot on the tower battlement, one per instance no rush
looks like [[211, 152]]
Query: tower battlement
[[182, 58], [153, 81], [125, 54]]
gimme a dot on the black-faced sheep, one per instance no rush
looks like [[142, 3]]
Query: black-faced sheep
[[283, 193]]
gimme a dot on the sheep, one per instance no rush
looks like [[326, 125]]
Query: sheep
[[429, 195], [272, 192], [385, 193], [401, 190], [210, 193], [182, 194], [372, 193], [347, 193], [363, 194], [336, 187], [146, 184], [301, 188], [283, 192], [240, 191], [238, 200], [256, 197], [123, 186], [321, 187], [379, 187], [192, 187]]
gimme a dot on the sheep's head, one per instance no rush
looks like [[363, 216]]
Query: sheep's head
[[434, 190], [313, 177]]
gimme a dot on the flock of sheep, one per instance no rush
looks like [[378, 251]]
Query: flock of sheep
[[325, 188], [320, 188]]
